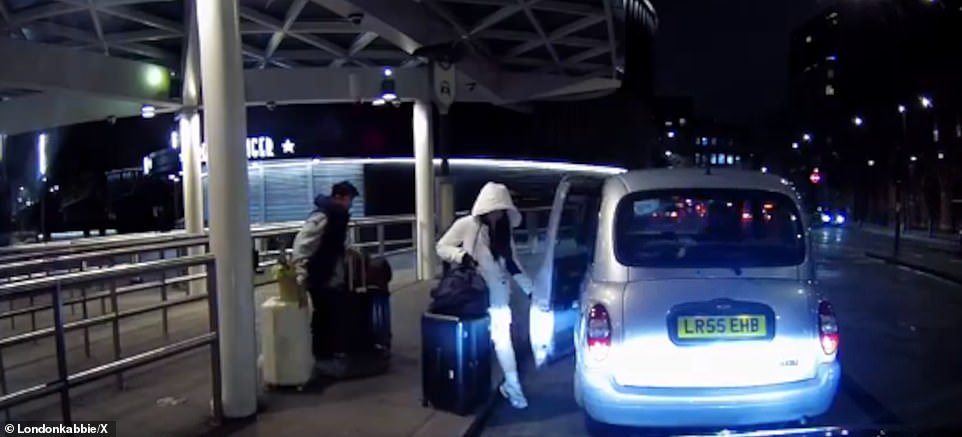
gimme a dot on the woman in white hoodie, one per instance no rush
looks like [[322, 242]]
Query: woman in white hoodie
[[484, 240]]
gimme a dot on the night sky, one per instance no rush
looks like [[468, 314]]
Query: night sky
[[731, 56]]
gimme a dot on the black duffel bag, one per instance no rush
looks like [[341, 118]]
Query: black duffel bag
[[462, 292]]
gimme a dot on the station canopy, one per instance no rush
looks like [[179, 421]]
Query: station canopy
[[71, 61]]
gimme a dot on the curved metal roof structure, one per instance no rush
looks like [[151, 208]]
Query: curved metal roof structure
[[70, 61]]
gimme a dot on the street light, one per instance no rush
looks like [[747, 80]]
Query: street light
[[941, 155], [807, 137], [871, 163], [795, 145], [901, 109], [926, 102], [913, 158], [858, 121], [671, 134], [764, 169]]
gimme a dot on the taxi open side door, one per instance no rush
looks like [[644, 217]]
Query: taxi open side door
[[569, 249]]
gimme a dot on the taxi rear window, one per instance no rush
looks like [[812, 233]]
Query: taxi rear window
[[707, 228]]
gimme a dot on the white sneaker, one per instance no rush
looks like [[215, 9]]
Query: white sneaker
[[513, 394]]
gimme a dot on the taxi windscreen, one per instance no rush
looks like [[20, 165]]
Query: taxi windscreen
[[706, 228]]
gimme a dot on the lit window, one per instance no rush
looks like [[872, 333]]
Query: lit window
[[830, 73], [829, 90], [669, 123], [714, 159], [808, 39], [722, 158], [731, 160], [704, 141], [831, 58], [714, 141], [682, 121], [738, 159]]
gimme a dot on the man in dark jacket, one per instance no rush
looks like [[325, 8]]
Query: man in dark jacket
[[318, 256]]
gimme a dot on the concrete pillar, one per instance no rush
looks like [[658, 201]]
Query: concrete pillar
[[445, 182], [193, 187], [190, 140], [222, 78], [424, 189]]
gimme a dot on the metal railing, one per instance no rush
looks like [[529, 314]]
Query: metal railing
[[64, 380], [83, 262], [81, 255], [107, 278]]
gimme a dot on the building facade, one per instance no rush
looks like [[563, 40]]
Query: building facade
[[874, 98], [686, 140]]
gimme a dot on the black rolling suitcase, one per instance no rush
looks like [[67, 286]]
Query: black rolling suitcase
[[455, 362]]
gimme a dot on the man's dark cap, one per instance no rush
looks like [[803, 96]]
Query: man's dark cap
[[344, 188]]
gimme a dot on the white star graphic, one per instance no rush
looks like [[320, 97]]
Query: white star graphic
[[287, 146]]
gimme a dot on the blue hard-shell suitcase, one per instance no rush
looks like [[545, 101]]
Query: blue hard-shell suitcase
[[455, 362]]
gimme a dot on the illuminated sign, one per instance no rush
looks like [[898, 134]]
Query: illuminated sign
[[262, 147]]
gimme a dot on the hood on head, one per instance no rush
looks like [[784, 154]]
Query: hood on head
[[494, 196]]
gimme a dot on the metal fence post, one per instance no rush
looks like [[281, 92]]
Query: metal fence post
[[61, 345], [414, 239], [3, 384], [163, 298], [380, 239], [115, 322], [215, 372], [33, 316], [85, 313]]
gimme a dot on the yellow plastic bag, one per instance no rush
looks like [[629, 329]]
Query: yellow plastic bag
[[290, 290]]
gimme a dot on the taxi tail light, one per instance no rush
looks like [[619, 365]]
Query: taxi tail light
[[599, 332], [827, 328]]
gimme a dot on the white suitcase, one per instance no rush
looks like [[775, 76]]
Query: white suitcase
[[286, 343]]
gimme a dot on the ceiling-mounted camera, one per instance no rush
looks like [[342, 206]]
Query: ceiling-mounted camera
[[271, 105], [356, 18], [111, 120]]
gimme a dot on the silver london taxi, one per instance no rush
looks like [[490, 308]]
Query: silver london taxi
[[688, 298]]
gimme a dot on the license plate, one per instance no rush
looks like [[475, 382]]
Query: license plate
[[722, 327]]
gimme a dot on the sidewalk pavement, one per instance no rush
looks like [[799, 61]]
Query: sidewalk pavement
[[939, 258], [943, 268], [388, 405], [946, 240], [171, 397]]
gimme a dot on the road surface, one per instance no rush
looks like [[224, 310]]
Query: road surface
[[900, 350]]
